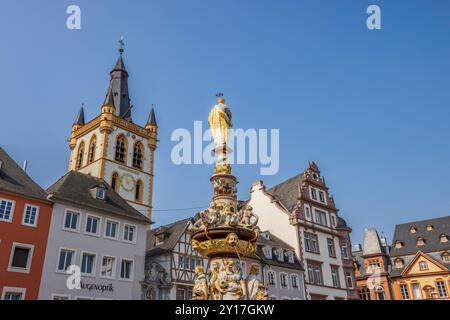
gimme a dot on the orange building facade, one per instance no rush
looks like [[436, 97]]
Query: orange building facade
[[24, 227]]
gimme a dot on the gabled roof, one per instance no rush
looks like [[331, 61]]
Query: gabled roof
[[432, 238], [287, 192], [173, 232], [13, 179], [75, 188], [427, 257]]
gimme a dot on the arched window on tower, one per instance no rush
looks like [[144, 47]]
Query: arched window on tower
[[92, 147], [115, 181], [380, 293], [138, 191], [138, 155], [121, 149], [80, 153]]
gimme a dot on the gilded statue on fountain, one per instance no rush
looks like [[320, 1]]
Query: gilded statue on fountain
[[223, 232]]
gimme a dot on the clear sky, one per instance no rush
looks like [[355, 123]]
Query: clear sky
[[371, 107]]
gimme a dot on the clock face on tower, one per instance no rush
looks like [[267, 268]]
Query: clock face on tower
[[127, 182]]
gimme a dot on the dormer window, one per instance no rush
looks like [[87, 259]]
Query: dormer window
[[265, 235], [290, 257], [100, 193], [268, 252], [430, 228], [413, 230], [398, 263], [446, 257], [443, 238], [423, 265], [280, 255], [398, 244], [160, 238], [420, 242]]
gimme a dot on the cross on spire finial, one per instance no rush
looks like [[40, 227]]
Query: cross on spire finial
[[122, 44]]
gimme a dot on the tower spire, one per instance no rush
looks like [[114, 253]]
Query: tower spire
[[80, 117], [118, 87]]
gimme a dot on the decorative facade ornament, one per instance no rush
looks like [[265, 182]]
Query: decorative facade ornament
[[222, 233]]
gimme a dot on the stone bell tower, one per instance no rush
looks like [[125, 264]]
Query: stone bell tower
[[114, 148]]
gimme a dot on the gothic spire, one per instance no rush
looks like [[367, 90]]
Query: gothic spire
[[118, 87], [80, 117], [152, 118]]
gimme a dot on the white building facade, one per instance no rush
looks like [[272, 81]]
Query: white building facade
[[301, 213], [96, 247]]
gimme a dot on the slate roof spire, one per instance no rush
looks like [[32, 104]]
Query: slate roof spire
[[152, 118], [80, 117], [118, 87]]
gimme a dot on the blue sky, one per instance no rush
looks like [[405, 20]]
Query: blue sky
[[371, 107]]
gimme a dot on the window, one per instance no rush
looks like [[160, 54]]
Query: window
[[92, 147], [315, 273], [404, 291], [100, 193], [30, 215], [417, 293], [80, 153], [331, 248], [20, 259], [430, 227], [180, 262], [138, 191], [181, 294], [186, 263], [88, 263], [192, 264], [268, 252], [294, 281], [373, 266], [307, 211], [138, 155], [398, 263], [66, 256], [128, 233], [442, 290], [111, 229], [322, 196], [291, 257], [71, 220], [283, 280], [446, 257], [313, 194], [333, 220], [379, 290], [121, 149], [443, 238], [311, 243], [280, 255], [114, 181], [335, 277], [108, 267], [364, 294], [420, 242], [126, 269], [412, 230], [344, 250], [423, 265], [6, 209], [321, 217], [270, 278], [349, 280], [92, 225], [13, 293], [398, 244]]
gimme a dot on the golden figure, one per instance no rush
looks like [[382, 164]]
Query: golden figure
[[220, 121], [200, 291]]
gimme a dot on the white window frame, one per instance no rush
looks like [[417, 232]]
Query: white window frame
[[291, 257], [23, 291], [117, 229], [77, 229], [94, 267], [59, 255], [280, 255], [99, 225], [297, 283], [25, 212], [101, 190], [286, 278], [54, 295], [114, 271], [132, 270], [268, 252], [13, 207], [30, 257], [134, 233]]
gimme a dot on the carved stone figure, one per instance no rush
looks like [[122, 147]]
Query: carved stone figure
[[200, 291], [230, 284], [249, 219], [213, 277], [254, 285]]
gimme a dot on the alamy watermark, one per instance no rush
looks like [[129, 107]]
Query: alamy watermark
[[251, 146]]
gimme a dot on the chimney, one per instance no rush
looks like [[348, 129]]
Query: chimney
[[25, 165]]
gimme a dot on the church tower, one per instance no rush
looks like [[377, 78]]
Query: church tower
[[114, 148]]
